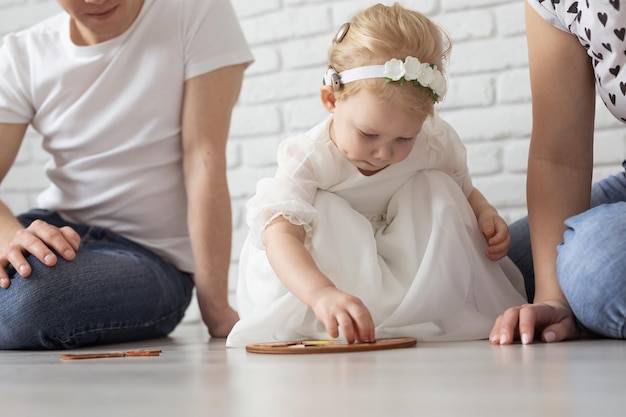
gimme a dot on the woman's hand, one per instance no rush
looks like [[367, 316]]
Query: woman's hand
[[44, 242], [339, 310], [552, 319]]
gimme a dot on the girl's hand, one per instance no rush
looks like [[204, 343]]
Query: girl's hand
[[39, 239], [339, 310], [553, 319], [496, 232]]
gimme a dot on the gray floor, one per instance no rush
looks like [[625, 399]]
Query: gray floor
[[194, 377]]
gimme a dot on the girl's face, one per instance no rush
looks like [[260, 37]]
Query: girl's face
[[95, 21], [372, 134]]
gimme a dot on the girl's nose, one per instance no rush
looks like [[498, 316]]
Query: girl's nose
[[383, 153]]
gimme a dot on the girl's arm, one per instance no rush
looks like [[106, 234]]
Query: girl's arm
[[492, 226], [294, 266]]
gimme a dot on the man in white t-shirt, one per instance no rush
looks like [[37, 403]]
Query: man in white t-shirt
[[133, 99]]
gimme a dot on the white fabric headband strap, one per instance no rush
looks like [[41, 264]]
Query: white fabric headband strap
[[410, 69], [361, 73]]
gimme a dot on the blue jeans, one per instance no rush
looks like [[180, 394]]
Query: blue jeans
[[591, 262], [113, 291]]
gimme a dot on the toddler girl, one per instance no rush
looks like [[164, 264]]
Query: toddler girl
[[371, 227]]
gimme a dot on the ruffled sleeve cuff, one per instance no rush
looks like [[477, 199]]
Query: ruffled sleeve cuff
[[267, 205]]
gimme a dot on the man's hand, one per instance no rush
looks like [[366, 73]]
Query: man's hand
[[219, 320], [41, 240]]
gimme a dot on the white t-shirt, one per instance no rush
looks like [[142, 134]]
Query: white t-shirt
[[600, 26], [110, 114]]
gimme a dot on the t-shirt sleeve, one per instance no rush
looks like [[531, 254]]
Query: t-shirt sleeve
[[15, 106], [212, 37], [548, 12]]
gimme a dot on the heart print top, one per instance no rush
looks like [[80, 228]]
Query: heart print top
[[600, 26]]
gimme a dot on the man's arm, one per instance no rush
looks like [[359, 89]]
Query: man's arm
[[11, 136], [39, 239], [207, 108]]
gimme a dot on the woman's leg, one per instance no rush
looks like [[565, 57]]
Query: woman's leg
[[113, 291], [591, 267]]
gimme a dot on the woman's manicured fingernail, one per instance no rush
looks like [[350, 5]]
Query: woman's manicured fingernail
[[502, 339], [525, 338], [549, 337]]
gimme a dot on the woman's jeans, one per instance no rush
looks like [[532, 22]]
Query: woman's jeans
[[591, 262], [113, 291]]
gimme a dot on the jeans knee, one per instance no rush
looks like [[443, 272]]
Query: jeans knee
[[597, 307], [27, 316], [592, 270], [37, 312]]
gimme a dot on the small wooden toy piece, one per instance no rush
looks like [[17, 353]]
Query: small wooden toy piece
[[143, 352]]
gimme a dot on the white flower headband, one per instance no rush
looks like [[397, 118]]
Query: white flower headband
[[421, 74]]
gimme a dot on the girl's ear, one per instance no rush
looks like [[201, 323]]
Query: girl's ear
[[327, 95]]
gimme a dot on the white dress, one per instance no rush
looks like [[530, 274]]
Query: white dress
[[404, 240]]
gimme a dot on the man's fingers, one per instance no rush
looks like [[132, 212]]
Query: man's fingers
[[28, 242], [64, 241], [5, 282], [40, 240], [71, 236]]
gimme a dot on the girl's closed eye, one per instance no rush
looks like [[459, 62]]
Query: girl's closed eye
[[368, 135]]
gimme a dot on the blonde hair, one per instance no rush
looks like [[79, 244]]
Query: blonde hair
[[380, 33]]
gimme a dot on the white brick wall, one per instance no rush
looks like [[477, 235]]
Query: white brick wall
[[488, 102]]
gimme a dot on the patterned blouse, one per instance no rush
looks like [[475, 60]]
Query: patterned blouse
[[600, 26]]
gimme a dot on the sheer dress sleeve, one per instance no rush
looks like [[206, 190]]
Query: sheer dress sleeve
[[304, 166]]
